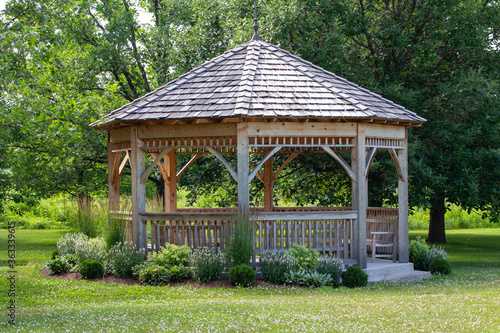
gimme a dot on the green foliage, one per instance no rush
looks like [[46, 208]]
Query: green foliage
[[58, 266], [172, 255], [121, 258], [455, 218], [419, 253], [275, 265], [304, 258], [309, 279], [241, 247], [331, 265], [61, 264], [440, 266], [115, 232], [206, 264], [66, 244], [151, 274], [354, 277], [54, 254], [242, 275], [179, 273], [91, 269], [93, 248]]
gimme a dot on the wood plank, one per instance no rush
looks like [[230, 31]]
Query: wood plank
[[221, 158], [171, 181], [138, 160], [385, 131], [402, 232], [157, 160], [301, 129], [261, 163], [342, 162], [186, 131], [243, 169], [120, 135]]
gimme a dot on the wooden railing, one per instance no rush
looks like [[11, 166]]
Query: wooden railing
[[326, 231]]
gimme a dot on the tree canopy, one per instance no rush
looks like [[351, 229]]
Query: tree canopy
[[66, 63]]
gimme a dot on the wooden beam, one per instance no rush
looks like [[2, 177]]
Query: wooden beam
[[301, 129], [146, 173], [186, 131], [394, 156], [268, 183], [259, 174], [162, 168], [113, 179], [369, 158], [362, 198], [403, 242], [261, 163], [287, 161], [171, 184], [223, 160], [243, 169], [342, 162], [124, 162], [188, 164], [138, 165]]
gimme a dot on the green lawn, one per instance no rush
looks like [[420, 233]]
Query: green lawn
[[466, 301]]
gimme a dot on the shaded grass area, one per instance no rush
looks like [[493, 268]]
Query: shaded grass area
[[466, 301]]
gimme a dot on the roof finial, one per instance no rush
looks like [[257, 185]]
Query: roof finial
[[255, 24]]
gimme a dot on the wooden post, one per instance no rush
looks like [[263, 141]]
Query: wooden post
[[360, 196], [171, 182], [138, 166], [403, 241], [243, 168], [268, 182], [113, 178]]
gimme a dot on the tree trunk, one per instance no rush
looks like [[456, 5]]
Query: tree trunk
[[436, 224]]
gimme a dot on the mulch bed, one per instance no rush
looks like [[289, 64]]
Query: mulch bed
[[223, 282]]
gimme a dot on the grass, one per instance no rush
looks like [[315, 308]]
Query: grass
[[466, 301]]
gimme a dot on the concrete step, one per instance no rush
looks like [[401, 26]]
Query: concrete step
[[384, 270]]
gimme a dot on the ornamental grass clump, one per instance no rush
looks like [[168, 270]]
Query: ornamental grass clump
[[332, 266], [122, 257], [207, 264], [241, 248], [274, 266]]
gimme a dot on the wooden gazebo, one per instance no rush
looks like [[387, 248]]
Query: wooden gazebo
[[260, 99]]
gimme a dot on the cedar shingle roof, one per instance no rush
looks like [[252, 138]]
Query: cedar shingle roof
[[257, 79]]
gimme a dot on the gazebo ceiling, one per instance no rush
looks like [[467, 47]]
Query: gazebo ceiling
[[259, 80]]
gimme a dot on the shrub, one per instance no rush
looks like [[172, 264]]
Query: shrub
[[419, 253], [70, 260], [66, 244], [242, 275], [304, 258], [437, 252], [57, 266], [93, 248], [206, 264], [354, 277], [274, 265], [332, 266], [121, 258], [54, 254], [309, 279], [151, 274], [91, 269], [241, 247], [179, 273], [172, 255], [440, 266]]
